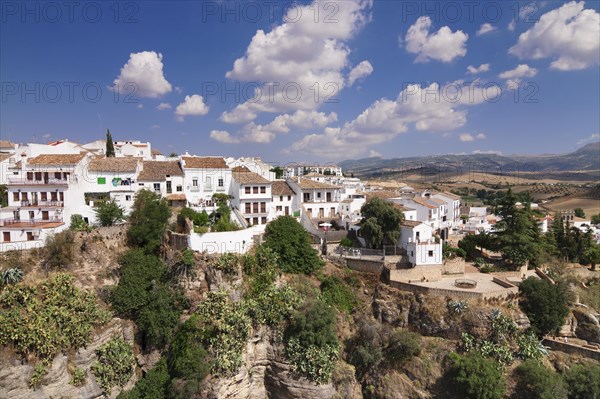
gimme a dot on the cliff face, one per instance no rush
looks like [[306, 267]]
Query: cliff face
[[14, 376]]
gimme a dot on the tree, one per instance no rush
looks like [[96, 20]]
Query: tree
[[545, 304], [579, 212], [144, 295], [110, 148], [3, 195], [278, 170], [535, 381], [154, 384], [58, 250], [583, 381], [595, 219], [592, 255], [109, 213], [78, 223], [475, 377], [172, 155], [288, 239], [148, 221], [517, 233], [377, 212]]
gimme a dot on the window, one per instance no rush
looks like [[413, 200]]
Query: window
[[156, 186], [281, 198], [430, 254], [101, 180], [29, 236], [169, 189], [179, 188], [128, 198], [15, 196], [141, 184], [44, 196], [57, 175], [195, 183], [306, 197], [263, 189], [248, 221], [278, 209], [31, 215], [289, 197], [221, 182], [255, 190], [255, 221], [248, 207], [263, 220], [263, 207], [29, 175], [255, 207], [247, 190]]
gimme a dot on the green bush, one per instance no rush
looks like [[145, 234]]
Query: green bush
[[154, 385], [114, 364], [346, 242], [228, 263], [109, 213], [197, 218], [48, 318], [58, 250], [545, 304], [188, 361], [583, 381], [148, 221], [11, 275], [311, 344], [338, 294], [78, 224], [534, 381], [288, 239], [474, 377], [223, 328], [402, 346], [144, 295], [78, 377]]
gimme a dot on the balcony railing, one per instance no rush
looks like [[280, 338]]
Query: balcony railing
[[28, 222], [25, 182], [52, 203]]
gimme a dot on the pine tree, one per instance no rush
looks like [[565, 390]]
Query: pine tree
[[110, 149]]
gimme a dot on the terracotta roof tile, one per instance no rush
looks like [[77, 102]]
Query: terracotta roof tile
[[249, 178], [240, 169], [6, 144], [113, 164], [382, 194], [204, 163], [281, 187], [158, 170], [4, 157], [307, 184], [423, 202], [176, 197], [56, 159], [411, 223]]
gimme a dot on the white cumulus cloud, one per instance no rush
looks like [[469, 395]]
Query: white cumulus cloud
[[570, 35], [191, 106], [302, 61], [223, 136], [467, 137], [360, 71], [514, 76], [591, 139], [143, 76], [163, 106], [416, 108], [485, 28], [480, 69], [443, 45]]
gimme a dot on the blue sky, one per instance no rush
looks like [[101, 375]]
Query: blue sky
[[351, 61]]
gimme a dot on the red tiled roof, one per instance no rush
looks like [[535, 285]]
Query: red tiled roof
[[281, 187], [158, 170], [56, 159], [204, 163]]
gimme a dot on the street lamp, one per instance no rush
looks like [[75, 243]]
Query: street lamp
[[325, 227]]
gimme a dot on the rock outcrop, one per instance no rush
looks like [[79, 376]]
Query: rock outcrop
[[15, 373]]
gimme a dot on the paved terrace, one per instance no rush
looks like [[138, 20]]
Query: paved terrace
[[484, 283]]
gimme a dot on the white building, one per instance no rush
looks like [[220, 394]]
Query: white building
[[452, 216], [299, 170], [284, 201], [204, 177], [251, 197], [164, 178], [318, 200], [418, 240], [253, 164]]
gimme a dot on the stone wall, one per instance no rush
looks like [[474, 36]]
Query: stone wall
[[454, 266], [417, 273], [365, 265], [572, 349], [499, 295]]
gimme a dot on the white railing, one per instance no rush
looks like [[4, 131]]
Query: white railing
[[21, 181]]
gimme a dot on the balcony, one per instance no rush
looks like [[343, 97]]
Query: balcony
[[45, 182], [40, 204], [28, 223]]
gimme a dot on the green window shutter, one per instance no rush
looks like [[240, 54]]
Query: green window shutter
[[102, 180]]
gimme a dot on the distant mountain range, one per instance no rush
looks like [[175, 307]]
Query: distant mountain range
[[583, 162]]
